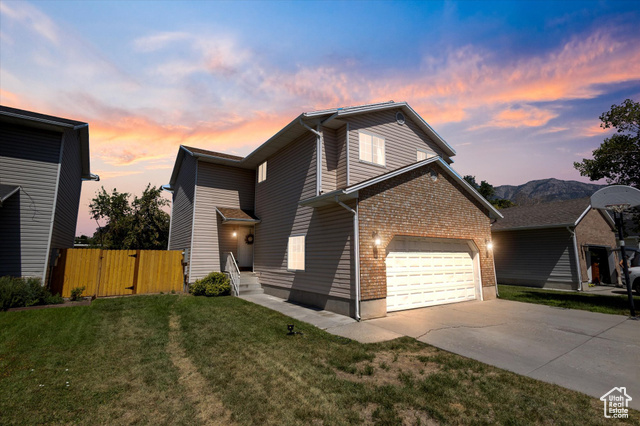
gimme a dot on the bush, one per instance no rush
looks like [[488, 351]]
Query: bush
[[214, 284], [76, 293], [21, 292]]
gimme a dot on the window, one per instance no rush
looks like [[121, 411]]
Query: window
[[262, 172], [371, 148], [295, 259], [423, 155]]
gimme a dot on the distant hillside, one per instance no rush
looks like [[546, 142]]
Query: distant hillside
[[544, 190]]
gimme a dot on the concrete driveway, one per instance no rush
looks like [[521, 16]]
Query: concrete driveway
[[584, 351]]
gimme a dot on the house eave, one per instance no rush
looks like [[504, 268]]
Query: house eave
[[353, 191], [45, 122], [294, 130], [534, 227]]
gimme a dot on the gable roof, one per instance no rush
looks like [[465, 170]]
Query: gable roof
[[49, 122], [7, 191], [235, 215], [546, 215], [198, 152], [351, 192], [327, 117]]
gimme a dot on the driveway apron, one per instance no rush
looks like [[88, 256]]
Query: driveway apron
[[585, 351]]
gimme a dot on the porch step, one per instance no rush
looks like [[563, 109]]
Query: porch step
[[249, 283]]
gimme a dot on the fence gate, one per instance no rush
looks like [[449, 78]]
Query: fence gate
[[117, 272]]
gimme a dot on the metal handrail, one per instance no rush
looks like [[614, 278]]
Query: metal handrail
[[231, 267]]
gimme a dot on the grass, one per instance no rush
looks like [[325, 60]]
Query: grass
[[191, 360], [616, 304]]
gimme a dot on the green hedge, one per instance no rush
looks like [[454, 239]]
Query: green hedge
[[21, 292], [214, 284]]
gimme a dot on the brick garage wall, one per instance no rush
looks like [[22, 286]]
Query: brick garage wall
[[593, 229], [413, 205]]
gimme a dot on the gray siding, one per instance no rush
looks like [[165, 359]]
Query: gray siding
[[329, 160], [66, 217], [29, 158], [539, 258], [401, 143], [221, 186], [341, 166], [328, 270], [182, 207]]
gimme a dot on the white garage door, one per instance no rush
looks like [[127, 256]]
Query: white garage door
[[427, 272]]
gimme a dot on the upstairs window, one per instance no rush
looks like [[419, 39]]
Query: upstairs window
[[295, 258], [371, 148], [423, 155], [262, 172]]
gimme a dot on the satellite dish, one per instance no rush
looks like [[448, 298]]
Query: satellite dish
[[616, 198]]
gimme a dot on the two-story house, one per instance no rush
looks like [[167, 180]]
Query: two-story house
[[355, 210], [43, 161]]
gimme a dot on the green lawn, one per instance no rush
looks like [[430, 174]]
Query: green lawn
[[617, 304], [172, 359]]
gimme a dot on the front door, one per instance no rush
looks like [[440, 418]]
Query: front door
[[245, 247]]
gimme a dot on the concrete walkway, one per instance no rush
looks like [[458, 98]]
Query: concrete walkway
[[579, 350]]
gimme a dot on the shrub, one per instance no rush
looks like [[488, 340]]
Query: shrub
[[21, 292], [214, 284], [76, 293]]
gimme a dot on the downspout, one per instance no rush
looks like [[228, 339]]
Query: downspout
[[318, 155], [493, 258], [575, 252], [356, 248]]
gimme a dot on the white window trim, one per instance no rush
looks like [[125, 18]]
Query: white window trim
[[384, 149], [304, 252], [429, 154], [262, 170]]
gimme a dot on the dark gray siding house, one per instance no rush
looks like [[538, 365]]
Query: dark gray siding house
[[563, 245], [354, 210], [43, 161]]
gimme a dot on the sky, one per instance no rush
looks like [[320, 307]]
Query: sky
[[515, 87]]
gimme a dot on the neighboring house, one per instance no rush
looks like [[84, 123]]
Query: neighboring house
[[355, 210], [555, 245], [43, 161]]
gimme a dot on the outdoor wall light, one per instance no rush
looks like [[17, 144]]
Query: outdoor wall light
[[235, 234], [376, 240], [490, 245]]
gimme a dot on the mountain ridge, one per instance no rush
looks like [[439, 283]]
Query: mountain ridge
[[545, 190]]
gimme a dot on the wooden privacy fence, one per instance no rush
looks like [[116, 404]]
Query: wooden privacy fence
[[117, 272]]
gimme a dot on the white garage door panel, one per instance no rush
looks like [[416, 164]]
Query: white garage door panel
[[441, 272]]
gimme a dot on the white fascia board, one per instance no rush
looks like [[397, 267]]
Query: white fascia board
[[353, 109], [221, 215], [584, 213], [389, 175], [438, 139], [446, 167], [352, 191], [342, 112], [471, 189]]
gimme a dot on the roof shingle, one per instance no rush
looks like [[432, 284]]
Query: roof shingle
[[213, 153], [558, 213]]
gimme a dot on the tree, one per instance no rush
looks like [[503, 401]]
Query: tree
[[488, 192], [617, 159], [139, 225]]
